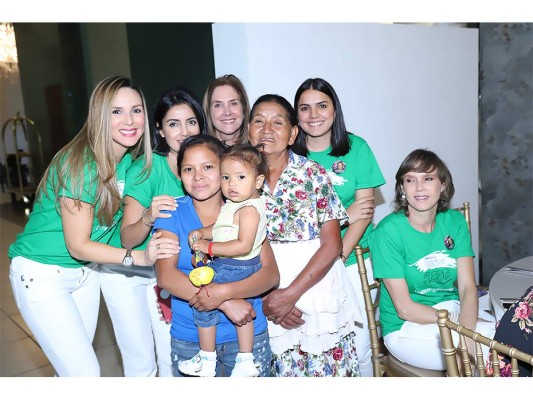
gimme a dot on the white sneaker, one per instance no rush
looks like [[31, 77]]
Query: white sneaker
[[245, 368], [199, 365]]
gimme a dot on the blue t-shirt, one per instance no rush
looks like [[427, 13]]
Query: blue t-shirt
[[183, 220]]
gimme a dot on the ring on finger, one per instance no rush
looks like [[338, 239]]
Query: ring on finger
[[158, 246]]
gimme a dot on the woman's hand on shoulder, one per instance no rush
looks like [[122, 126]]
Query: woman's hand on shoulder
[[161, 203], [161, 246], [239, 311]]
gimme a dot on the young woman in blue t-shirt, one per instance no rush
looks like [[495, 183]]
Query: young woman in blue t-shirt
[[199, 166]]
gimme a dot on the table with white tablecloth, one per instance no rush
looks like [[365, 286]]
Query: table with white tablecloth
[[509, 283]]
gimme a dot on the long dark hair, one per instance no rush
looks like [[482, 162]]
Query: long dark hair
[[422, 160], [169, 99], [340, 143]]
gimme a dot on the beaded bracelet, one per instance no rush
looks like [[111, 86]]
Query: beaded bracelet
[[210, 249], [144, 218], [453, 316]]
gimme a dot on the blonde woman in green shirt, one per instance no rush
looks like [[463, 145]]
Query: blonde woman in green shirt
[[177, 115], [77, 209]]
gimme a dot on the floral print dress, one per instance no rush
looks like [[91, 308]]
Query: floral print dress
[[297, 208], [515, 329], [302, 201]]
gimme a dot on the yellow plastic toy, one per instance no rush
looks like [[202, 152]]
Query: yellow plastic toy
[[202, 274]]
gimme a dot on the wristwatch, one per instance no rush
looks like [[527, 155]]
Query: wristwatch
[[127, 261]]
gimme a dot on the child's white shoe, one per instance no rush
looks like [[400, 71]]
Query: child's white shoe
[[245, 366], [202, 364]]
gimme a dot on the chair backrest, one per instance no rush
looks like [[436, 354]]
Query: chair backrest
[[465, 209], [449, 351], [370, 307], [383, 363]]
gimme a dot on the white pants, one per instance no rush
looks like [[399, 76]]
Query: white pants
[[132, 305], [362, 338], [60, 306], [419, 344]]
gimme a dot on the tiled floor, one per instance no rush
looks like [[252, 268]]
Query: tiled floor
[[20, 355]]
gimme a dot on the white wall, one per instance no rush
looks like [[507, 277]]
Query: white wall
[[401, 87]]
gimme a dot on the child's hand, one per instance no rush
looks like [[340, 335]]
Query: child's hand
[[194, 236], [200, 245]]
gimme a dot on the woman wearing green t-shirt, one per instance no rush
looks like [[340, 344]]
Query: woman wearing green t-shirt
[[424, 255], [77, 209], [177, 115], [355, 174]]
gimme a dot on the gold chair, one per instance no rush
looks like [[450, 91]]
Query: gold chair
[[465, 209], [448, 350], [384, 364]]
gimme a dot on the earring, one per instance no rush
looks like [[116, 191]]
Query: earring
[[403, 196]]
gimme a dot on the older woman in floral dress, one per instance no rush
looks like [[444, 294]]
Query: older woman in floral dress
[[313, 313]]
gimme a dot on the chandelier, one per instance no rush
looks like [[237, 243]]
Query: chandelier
[[8, 52]]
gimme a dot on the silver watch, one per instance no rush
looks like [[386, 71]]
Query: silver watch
[[127, 261]]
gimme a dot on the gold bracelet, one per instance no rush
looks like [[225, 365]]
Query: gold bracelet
[[144, 218]]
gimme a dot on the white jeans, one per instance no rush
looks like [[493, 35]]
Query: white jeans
[[60, 306], [362, 338], [131, 303], [419, 344]]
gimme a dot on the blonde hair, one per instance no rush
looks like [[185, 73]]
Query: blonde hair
[[94, 145], [235, 83]]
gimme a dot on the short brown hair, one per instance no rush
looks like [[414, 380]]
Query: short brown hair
[[422, 160]]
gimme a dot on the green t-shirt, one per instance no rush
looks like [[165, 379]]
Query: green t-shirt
[[160, 181], [42, 239], [358, 169], [427, 261]]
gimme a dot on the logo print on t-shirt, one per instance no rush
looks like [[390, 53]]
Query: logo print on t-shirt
[[440, 276], [121, 185], [336, 180], [437, 259]]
